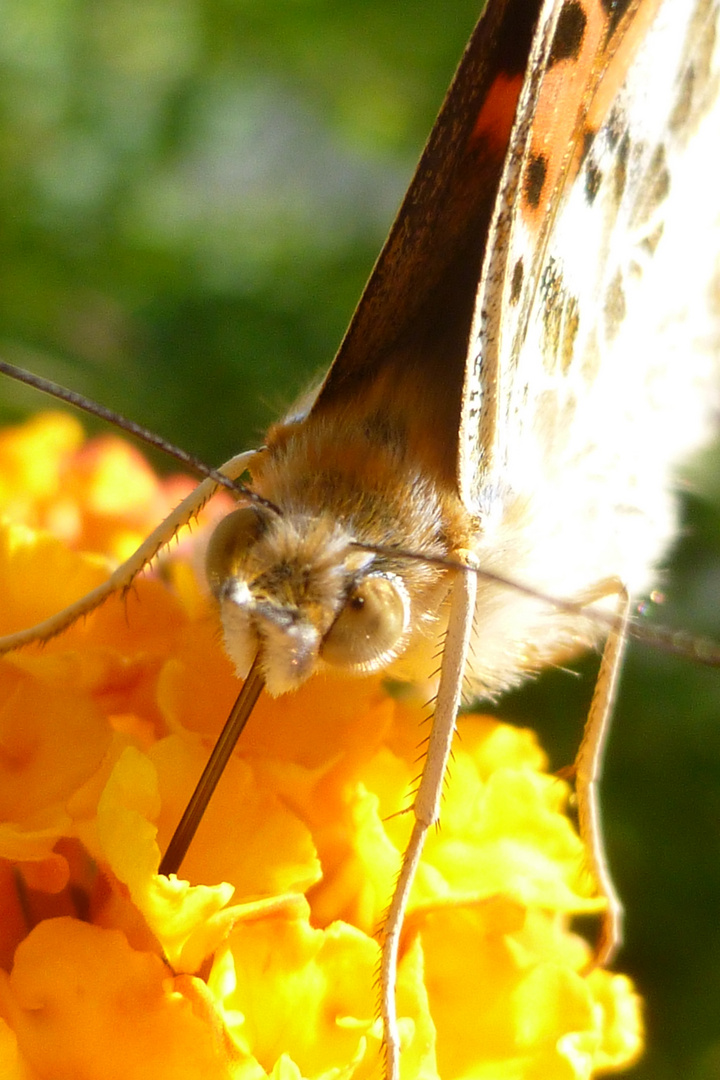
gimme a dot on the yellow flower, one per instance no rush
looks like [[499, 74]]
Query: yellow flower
[[263, 962]]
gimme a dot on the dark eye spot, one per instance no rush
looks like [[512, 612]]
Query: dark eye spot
[[535, 179], [569, 33], [517, 280]]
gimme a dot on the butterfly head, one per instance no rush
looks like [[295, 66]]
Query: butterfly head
[[297, 590], [316, 576]]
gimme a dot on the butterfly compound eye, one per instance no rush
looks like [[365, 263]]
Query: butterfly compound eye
[[230, 543], [370, 625]]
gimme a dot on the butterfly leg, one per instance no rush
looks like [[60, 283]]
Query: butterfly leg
[[426, 807], [123, 577], [588, 770]]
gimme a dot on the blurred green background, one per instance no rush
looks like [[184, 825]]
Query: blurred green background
[[192, 194]]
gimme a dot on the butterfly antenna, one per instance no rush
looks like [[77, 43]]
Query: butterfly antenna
[[700, 650], [78, 401]]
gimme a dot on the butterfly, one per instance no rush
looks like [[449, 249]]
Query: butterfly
[[508, 401]]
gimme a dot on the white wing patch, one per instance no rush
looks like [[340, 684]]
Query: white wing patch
[[613, 379]]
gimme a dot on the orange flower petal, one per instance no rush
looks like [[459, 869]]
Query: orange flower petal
[[82, 1003]]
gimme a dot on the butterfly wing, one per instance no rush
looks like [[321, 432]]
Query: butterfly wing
[[593, 332], [407, 343]]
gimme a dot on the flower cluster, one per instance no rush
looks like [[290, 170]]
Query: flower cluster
[[263, 961]]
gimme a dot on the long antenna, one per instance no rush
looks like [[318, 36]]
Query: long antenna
[[680, 643], [78, 401]]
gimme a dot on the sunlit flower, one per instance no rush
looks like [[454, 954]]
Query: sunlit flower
[[262, 960]]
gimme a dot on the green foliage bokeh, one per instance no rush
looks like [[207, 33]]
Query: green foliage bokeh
[[192, 194]]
